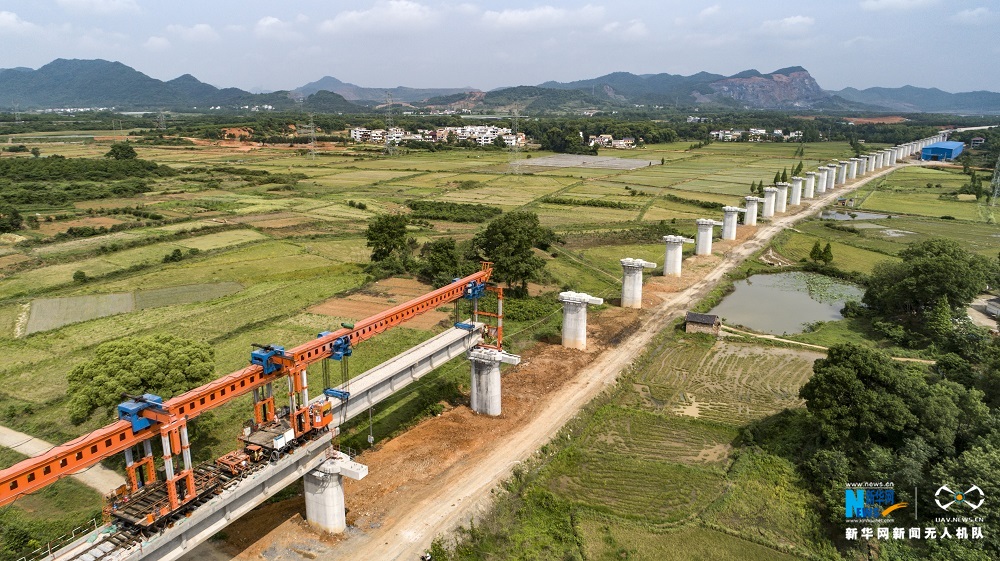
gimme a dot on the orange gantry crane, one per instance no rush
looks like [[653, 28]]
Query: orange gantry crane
[[143, 418]]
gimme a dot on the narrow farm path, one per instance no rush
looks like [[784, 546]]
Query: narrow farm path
[[97, 477], [810, 345], [444, 483]]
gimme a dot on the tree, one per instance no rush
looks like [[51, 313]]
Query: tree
[[860, 395], [929, 270], [777, 177], [441, 262], [784, 175], [827, 254], [499, 142], [816, 253], [386, 234], [36, 151], [80, 277], [122, 151], [508, 242], [937, 320], [10, 219], [163, 365]]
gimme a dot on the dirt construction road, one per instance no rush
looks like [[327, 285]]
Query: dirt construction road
[[433, 478]]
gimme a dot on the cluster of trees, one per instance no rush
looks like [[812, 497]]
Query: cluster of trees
[[920, 298], [871, 418], [59, 168], [508, 241], [564, 141], [164, 365], [454, 212], [825, 254]]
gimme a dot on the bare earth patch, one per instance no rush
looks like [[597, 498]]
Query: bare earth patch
[[394, 291], [50, 228]]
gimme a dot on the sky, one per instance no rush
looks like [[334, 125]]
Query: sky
[[278, 45]]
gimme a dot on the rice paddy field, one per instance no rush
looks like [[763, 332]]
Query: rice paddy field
[[655, 470]]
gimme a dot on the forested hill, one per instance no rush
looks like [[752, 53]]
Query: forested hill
[[67, 83]]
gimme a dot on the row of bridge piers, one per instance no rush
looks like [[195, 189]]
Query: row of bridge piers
[[324, 486]]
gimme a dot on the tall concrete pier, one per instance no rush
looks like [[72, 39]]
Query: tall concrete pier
[[632, 281], [852, 168], [324, 492], [729, 216], [842, 172], [781, 199], [703, 241], [750, 218], [810, 188], [574, 329], [795, 195], [674, 254], [486, 378], [770, 195], [831, 177], [821, 173]]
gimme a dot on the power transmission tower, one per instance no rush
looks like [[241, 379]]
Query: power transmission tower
[[995, 183], [515, 151], [161, 122], [17, 114], [390, 146], [312, 137]]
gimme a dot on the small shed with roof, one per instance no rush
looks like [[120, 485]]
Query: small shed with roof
[[702, 323]]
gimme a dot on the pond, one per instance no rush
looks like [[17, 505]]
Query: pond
[[784, 302], [847, 215]]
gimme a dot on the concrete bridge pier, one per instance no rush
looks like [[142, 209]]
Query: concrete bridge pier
[[703, 241], [674, 253], [809, 191], [862, 166], [842, 172], [781, 200], [324, 492], [486, 378], [795, 195], [821, 180], [852, 168], [750, 218], [770, 194], [632, 281], [574, 329], [729, 221], [831, 178]]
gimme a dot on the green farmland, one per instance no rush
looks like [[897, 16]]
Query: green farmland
[[284, 233]]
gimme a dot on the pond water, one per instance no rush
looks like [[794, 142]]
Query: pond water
[[846, 215], [784, 302]]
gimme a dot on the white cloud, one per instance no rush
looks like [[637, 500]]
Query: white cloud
[[103, 7], [270, 27], [972, 16], [710, 11], [156, 43], [629, 31], [197, 33], [875, 5], [391, 14], [792, 25], [859, 41], [545, 17], [12, 23]]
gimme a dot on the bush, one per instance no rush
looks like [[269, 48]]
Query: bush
[[454, 212], [80, 277]]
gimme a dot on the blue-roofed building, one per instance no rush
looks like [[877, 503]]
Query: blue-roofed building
[[942, 151]]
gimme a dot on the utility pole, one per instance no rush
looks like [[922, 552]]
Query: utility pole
[[995, 183]]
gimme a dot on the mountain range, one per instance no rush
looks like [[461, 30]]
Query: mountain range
[[99, 83]]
